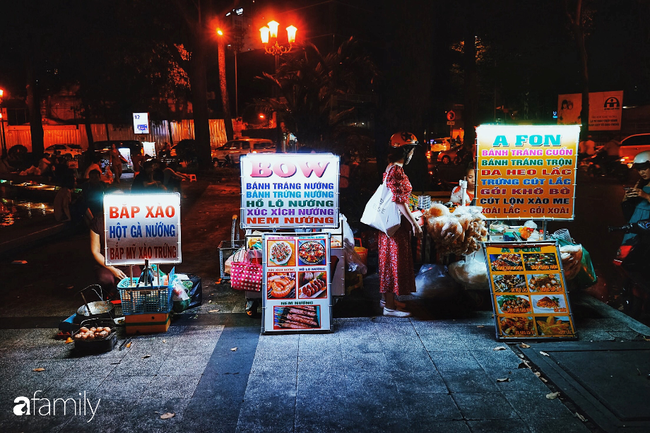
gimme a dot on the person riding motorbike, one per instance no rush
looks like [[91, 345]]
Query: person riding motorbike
[[636, 203], [631, 262], [606, 157]]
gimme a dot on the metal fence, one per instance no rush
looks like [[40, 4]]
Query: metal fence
[[76, 134]]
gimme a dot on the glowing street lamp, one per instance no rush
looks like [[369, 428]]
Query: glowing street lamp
[[269, 37]]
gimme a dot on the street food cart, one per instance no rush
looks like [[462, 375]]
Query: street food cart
[[144, 229], [527, 173], [294, 196]]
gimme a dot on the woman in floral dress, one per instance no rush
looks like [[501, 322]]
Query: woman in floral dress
[[396, 273]]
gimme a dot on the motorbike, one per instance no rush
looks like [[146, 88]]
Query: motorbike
[[600, 164], [631, 263]]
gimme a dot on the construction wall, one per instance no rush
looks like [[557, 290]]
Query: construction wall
[[76, 134]]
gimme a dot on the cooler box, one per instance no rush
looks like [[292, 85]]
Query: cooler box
[[146, 323]]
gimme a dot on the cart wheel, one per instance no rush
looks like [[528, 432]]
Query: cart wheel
[[251, 307]]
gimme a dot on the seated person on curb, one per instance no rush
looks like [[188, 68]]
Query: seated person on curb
[[94, 165], [92, 196], [107, 276], [63, 200], [172, 179], [150, 179]]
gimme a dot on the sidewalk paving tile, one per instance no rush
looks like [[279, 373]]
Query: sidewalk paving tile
[[271, 411], [468, 381], [484, 406], [499, 425], [430, 408], [546, 425], [534, 407], [163, 387], [439, 427], [114, 388]]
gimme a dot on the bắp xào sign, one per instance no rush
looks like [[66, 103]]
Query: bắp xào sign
[[289, 190], [139, 227], [527, 172]]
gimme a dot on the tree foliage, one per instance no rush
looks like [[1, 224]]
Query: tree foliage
[[310, 85]]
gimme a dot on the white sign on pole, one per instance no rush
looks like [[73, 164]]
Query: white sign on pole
[[292, 190], [141, 123], [139, 227]]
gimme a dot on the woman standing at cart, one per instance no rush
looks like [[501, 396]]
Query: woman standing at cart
[[396, 274]]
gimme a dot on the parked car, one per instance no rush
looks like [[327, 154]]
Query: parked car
[[450, 155], [456, 155], [234, 149], [131, 150], [184, 151], [436, 146], [68, 151], [441, 144], [632, 145]]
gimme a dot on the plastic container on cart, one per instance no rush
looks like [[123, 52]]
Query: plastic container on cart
[[95, 345], [424, 201], [361, 251], [144, 299], [228, 248]]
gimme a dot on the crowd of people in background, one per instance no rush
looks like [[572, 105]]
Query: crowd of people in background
[[83, 181]]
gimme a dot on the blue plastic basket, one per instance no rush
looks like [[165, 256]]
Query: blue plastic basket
[[147, 299]]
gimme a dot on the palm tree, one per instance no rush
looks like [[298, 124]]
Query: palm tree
[[309, 84]]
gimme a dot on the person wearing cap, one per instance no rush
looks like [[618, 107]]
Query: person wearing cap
[[396, 274], [637, 199]]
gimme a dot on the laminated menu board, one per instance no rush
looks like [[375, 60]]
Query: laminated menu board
[[528, 291], [296, 291]]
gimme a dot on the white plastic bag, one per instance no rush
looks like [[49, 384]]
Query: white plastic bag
[[471, 272], [381, 211], [179, 292], [353, 260], [433, 281], [571, 256]]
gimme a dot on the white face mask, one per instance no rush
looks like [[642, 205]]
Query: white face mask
[[409, 156]]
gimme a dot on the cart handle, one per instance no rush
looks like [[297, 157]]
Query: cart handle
[[94, 287]]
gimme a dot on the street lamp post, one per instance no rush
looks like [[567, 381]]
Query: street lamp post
[[2, 125], [269, 36], [221, 52]]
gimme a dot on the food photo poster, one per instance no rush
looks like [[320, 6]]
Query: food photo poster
[[296, 283], [528, 291]]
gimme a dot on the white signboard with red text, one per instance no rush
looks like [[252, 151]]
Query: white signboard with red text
[[139, 227], [297, 295], [291, 190]]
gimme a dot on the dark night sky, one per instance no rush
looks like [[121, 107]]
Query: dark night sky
[[530, 56]]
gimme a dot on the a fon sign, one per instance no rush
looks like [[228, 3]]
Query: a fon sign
[[527, 171], [139, 227], [299, 190]]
